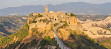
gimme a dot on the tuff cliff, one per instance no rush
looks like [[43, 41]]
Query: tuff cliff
[[97, 29]]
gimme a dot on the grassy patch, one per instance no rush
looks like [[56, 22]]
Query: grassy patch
[[20, 35], [82, 42]]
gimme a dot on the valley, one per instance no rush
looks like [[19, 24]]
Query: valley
[[10, 24], [44, 31]]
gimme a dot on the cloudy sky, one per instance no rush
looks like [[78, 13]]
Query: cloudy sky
[[16, 3]]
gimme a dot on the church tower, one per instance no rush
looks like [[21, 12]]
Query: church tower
[[46, 9]]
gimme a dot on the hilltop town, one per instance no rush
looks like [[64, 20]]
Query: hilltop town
[[47, 20], [50, 30]]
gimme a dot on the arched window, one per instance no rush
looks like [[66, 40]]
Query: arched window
[[69, 22], [55, 19]]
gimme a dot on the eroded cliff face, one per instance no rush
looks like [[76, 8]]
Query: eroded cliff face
[[106, 23], [97, 29]]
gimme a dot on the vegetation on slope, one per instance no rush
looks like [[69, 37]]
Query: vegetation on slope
[[47, 41], [10, 24], [4, 41], [22, 33], [105, 41], [72, 15], [81, 41]]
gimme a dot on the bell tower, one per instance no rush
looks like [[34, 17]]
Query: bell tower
[[46, 9]]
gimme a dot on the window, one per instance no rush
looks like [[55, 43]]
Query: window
[[55, 19]]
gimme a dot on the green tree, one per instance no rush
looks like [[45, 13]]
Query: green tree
[[72, 14], [31, 14], [65, 13], [39, 15]]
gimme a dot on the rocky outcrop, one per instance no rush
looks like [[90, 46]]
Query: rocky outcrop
[[96, 29], [106, 23], [15, 39], [63, 34]]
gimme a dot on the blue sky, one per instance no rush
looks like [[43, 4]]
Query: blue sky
[[16, 3]]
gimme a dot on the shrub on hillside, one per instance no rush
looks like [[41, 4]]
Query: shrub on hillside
[[31, 14], [39, 15], [34, 21], [72, 14], [65, 13], [56, 24], [45, 20], [65, 24]]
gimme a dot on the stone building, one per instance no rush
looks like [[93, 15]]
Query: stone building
[[52, 17], [48, 19], [58, 16], [46, 9]]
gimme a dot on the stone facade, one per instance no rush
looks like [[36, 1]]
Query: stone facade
[[49, 18], [58, 16], [46, 9]]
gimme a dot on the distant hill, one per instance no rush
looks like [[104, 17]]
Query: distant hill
[[74, 7]]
